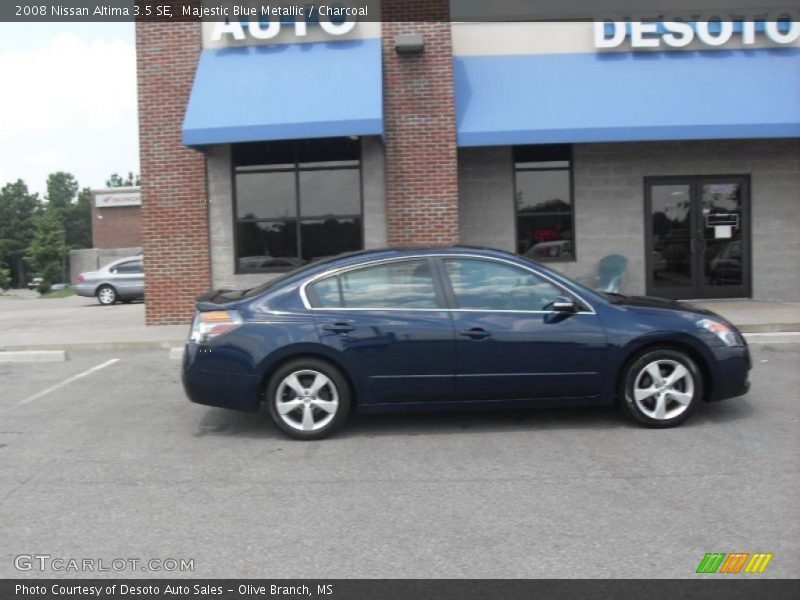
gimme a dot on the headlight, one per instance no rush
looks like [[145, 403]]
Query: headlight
[[726, 334]]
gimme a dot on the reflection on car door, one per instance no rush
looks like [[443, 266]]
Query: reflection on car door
[[509, 346], [390, 324], [128, 279]]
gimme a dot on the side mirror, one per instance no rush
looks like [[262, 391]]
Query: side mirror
[[564, 304]]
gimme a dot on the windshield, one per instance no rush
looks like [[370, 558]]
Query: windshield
[[614, 298]]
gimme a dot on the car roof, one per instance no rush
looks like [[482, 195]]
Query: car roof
[[389, 253]]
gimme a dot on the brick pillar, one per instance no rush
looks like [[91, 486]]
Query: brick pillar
[[420, 126], [174, 198]]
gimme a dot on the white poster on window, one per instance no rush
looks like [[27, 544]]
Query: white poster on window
[[723, 232]]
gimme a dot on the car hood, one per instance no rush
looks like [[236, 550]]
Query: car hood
[[655, 302]]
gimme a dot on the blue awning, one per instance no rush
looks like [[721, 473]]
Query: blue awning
[[290, 91], [607, 97]]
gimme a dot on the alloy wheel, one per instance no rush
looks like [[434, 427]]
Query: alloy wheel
[[663, 389], [306, 400]]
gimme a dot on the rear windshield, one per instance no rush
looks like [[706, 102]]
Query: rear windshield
[[288, 275]]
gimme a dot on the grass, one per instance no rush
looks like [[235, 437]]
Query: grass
[[65, 293]]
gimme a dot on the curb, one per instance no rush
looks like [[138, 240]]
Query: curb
[[33, 356], [769, 328]]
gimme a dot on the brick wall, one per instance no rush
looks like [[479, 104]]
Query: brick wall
[[419, 122], [120, 227], [174, 199]]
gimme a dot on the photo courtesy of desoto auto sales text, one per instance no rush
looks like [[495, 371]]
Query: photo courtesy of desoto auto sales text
[[399, 299]]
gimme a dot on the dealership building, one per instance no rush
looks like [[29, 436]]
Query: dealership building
[[675, 145]]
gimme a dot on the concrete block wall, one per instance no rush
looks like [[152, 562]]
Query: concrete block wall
[[486, 197], [609, 202]]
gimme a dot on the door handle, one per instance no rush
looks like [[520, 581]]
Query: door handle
[[339, 327], [476, 333]]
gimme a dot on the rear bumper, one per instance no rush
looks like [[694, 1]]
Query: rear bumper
[[85, 290], [236, 391]]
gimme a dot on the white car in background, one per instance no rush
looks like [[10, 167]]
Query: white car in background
[[121, 280]]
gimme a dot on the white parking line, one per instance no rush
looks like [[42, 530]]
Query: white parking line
[[65, 382]]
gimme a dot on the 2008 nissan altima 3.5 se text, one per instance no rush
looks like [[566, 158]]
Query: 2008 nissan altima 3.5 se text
[[460, 327]]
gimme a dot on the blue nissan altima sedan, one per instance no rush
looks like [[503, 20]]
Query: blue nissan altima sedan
[[440, 328]]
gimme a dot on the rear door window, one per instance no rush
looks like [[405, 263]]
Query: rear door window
[[134, 266], [397, 285]]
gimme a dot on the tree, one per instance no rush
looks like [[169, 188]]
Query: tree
[[61, 190], [78, 221], [116, 181], [18, 208], [47, 251], [75, 214]]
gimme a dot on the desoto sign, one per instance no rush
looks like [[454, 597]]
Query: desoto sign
[[678, 34]]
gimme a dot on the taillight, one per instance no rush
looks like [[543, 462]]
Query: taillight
[[208, 325], [81, 278]]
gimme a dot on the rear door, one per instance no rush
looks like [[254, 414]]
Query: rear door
[[389, 322], [509, 345]]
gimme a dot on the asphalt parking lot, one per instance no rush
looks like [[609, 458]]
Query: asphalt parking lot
[[116, 463]]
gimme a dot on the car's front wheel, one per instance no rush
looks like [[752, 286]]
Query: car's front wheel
[[308, 399], [106, 295], [661, 387]]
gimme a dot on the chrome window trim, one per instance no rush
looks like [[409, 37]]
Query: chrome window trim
[[339, 270]]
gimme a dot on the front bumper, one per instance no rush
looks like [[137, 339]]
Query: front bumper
[[731, 374]]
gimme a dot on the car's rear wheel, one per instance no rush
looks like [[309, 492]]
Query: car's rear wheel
[[308, 399], [106, 295], [661, 387]]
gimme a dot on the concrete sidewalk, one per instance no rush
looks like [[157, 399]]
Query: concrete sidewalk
[[757, 316], [28, 322]]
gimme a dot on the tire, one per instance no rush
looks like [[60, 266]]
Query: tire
[[668, 401], [316, 413], [106, 295]]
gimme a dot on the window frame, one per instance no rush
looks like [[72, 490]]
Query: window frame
[[296, 169], [309, 296], [444, 291], [517, 212], [583, 306], [115, 269]]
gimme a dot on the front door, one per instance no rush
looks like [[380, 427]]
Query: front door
[[510, 345], [698, 236]]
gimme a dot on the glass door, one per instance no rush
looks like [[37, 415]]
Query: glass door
[[697, 237], [723, 245]]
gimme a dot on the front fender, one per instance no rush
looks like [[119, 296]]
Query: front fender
[[621, 353]]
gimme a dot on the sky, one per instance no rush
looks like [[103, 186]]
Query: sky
[[67, 102]]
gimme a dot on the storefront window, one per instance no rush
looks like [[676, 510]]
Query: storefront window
[[296, 201], [543, 202]]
